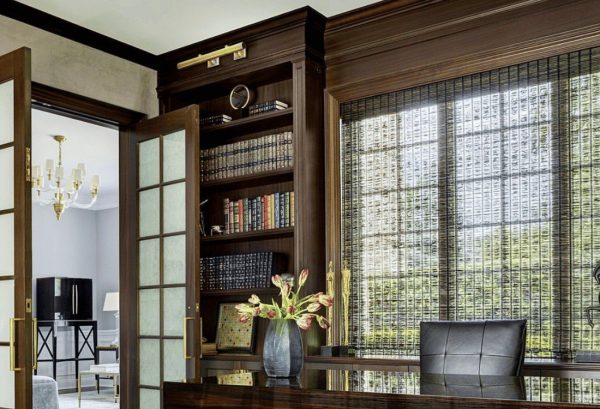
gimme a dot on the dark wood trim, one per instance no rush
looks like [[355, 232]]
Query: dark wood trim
[[128, 267], [333, 204], [6, 211], [7, 145], [48, 22], [83, 108], [446, 40]]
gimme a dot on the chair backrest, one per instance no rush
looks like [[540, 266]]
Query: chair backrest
[[494, 347]]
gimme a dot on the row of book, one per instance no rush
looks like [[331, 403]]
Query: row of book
[[262, 154], [272, 211], [214, 120], [268, 106], [251, 270]]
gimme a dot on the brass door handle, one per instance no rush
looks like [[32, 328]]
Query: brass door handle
[[12, 346], [35, 343], [185, 337]]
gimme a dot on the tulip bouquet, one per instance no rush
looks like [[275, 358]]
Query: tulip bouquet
[[302, 310]]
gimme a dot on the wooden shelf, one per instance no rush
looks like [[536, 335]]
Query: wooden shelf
[[240, 292], [250, 235], [255, 123], [271, 176], [233, 357]]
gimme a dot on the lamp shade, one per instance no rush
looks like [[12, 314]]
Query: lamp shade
[[111, 302]]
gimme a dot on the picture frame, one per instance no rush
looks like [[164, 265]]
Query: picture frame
[[233, 335]]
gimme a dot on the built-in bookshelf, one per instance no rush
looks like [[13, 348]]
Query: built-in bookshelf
[[269, 166]]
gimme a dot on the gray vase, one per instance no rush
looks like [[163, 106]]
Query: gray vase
[[283, 354]]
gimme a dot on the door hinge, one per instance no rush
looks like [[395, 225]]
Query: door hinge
[[28, 164]]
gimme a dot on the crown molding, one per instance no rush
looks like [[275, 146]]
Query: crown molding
[[44, 21]]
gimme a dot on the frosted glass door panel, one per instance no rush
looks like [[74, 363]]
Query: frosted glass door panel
[[7, 380], [7, 116], [150, 362], [174, 259], [149, 399], [7, 179], [149, 161], [7, 306], [149, 312], [7, 245], [173, 361], [174, 208], [174, 156], [149, 213], [173, 311], [149, 262]]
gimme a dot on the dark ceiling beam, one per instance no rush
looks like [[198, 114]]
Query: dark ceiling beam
[[36, 18]]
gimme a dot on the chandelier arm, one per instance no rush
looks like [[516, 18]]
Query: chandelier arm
[[83, 205]]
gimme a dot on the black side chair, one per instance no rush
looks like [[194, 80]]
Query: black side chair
[[495, 347]]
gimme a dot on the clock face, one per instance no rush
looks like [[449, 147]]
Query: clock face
[[239, 97]]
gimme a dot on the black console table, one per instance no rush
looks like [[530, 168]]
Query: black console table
[[85, 340]]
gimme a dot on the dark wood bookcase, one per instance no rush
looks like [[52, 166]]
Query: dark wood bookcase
[[285, 62]]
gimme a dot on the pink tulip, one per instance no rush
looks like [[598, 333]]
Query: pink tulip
[[303, 277], [324, 323], [271, 314], [304, 322], [291, 309], [244, 319], [285, 290], [326, 300], [254, 299], [315, 297], [313, 307], [256, 311], [277, 281]]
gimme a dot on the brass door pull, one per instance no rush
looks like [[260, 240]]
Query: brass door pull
[[35, 343], [185, 337], [12, 346]]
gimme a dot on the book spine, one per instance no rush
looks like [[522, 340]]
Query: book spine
[[226, 215], [292, 210]]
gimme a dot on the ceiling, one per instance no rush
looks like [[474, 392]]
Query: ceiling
[[158, 26], [94, 145]]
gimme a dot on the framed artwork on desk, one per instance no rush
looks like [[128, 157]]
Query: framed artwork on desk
[[233, 335]]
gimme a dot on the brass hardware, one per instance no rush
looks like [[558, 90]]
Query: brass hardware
[[35, 344], [12, 344], [28, 305], [214, 62], [185, 337], [330, 291], [197, 307], [28, 164], [240, 54], [346, 277], [213, 58]]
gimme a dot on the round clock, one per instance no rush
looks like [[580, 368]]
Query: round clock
[[240, 97]]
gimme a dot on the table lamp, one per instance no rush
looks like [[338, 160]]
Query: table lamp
[[111, 303]]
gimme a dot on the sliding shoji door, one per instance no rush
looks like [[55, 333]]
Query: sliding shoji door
[[167, 194], [16, 351]]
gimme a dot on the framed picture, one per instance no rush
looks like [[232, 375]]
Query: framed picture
[[233, 335]]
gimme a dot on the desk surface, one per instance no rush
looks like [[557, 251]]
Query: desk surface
[[381, 389]]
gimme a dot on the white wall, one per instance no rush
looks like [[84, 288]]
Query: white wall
[[84, 244], [107, 262], [63, 249], [74, 67]]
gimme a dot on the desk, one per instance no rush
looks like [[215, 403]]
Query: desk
[[381, 389]]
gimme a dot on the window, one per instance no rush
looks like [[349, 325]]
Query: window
[[476, 198]]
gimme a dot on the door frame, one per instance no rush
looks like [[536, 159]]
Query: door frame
[[76, 106]]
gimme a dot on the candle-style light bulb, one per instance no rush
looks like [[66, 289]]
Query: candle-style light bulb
[[35, 171], [83, 169], [60, 172], [96, 181]]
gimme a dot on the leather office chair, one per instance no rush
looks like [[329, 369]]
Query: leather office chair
[[494, 347]]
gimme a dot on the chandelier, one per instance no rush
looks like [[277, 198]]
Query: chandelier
[[51, 187]]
